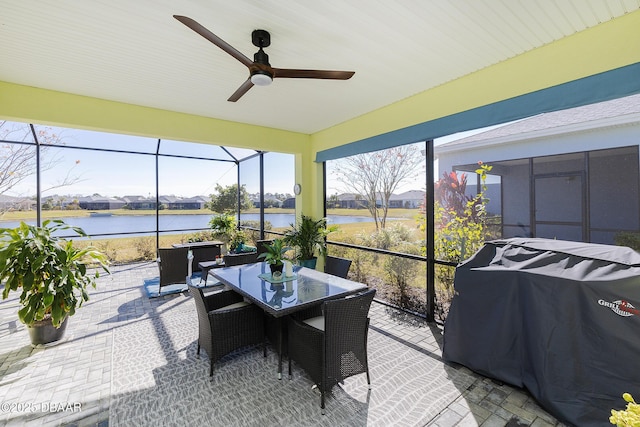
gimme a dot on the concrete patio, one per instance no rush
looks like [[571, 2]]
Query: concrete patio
[[124, 359]]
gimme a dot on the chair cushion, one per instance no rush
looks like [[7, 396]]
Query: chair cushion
[[234, 305], [316, 322]]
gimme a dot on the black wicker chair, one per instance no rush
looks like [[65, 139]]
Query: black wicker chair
[[239, 259], [226, 323], [202, 254], [173, 265], [260, 245], [333, 346], [337, 266]]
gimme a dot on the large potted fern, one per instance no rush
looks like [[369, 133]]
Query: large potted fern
[[308, 236], [50, 273]]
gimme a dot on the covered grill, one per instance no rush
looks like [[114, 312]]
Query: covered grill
[[559, 318]]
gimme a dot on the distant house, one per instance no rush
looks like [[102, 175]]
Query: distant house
[[571, 174], [166, 202], [411, 199], [351, 201], [16, 203], [97, 203], [142, 203], [289, 203], [131, 198], [269, 201], [197, 202]]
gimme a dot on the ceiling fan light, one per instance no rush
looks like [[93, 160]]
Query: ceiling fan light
[[261, 78]]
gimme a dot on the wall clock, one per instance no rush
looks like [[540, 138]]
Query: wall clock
[[297, 189]]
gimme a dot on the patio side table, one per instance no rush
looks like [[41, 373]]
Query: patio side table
[[205, 266]]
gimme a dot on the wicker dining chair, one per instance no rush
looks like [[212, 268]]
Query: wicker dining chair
[[225, 323], [239, 259], [337, 266], [260, 245], [173, 265], [203, 254], [333, 346]]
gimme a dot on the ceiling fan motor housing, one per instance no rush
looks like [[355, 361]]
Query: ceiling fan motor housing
[[260, 38], [261, 57], [259, 75]]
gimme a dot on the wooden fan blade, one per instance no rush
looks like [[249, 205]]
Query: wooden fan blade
[[312, 74], [214, 39], [244, 88]]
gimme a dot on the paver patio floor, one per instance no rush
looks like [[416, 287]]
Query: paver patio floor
[[75, 382]]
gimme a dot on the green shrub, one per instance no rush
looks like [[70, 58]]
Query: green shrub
[[201, 236], [460, 227], [628, 239], [401, 272], [629, 417], [387, 237], [361, 263], [254, 236], [222, 226], [108, 249], [145, 247]]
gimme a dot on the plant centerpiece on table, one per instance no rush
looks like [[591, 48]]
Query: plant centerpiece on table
[[50, 273], [308, 236], [274, 255]]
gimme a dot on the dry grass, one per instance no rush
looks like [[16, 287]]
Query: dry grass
[[122, 250], [130, 249], [366, 228]]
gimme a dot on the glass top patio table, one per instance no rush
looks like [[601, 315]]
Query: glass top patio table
[[308, 287]]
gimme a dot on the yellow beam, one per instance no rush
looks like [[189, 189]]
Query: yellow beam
[[33, 105]]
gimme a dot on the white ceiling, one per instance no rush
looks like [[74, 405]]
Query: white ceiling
[[135, 51]]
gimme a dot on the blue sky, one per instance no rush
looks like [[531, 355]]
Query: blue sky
[[120, 174], [117, 174]]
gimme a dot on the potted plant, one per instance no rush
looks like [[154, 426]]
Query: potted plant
[[236, 243], [222, 226], [50, 273], [308, 236], [274, 255]]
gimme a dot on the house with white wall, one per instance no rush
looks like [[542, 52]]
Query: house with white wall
[[570, 174], [411, 199]]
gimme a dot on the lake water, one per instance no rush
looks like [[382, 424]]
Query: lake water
[[96, 225]]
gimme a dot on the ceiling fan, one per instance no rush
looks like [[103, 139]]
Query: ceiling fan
[[260, 71]]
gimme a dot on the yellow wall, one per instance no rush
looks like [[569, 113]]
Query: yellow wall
[[29, 104], [34, 105]]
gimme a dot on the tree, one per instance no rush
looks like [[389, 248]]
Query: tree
[[18, 161], [226, 199], [375, 176], [460, 218], [460, 221]]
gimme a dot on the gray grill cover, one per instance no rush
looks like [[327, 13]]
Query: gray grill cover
[[559, 318]]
